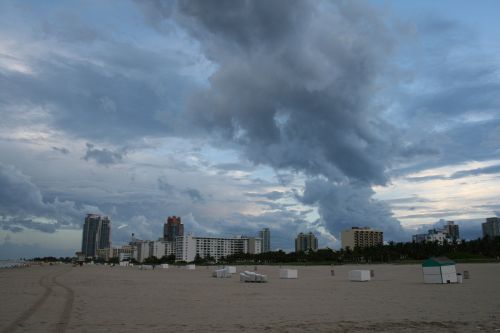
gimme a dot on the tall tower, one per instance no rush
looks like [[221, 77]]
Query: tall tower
[[105, 233], [265, 235], [96, 234], [306, 242], [173, 228], [451, 229]]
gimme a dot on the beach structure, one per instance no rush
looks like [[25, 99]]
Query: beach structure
[[286, 273], [221, 273], [230, 269], [124, 263], [248, 276], [191, 266], [164, 266], [359, 275], [439, 270]]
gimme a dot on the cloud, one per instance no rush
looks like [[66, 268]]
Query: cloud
[[489, 170], [195, 195], [164, 186], [494, 169], [22, 205], [297, 96], [274, 195], [341, 207], [62, 150], [103, 156]]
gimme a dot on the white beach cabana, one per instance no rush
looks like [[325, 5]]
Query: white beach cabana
[[230, 269], [248, 276], [221, 273], [286, 273], [359, 275], [439, 270], [164, 265], [191, 266]]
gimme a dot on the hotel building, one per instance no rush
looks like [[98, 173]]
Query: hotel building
[[361, 237]]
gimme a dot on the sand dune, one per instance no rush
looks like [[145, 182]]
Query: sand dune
[[62, 298]]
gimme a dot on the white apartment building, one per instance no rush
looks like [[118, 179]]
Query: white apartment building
[[157, 249], [448, 232], [141, 250], [187, 247]]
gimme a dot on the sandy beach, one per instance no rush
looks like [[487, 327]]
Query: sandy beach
[[62, 298]]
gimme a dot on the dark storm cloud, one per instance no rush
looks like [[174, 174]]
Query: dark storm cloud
[[426, 178], [23, 205], [15, 225], [294, 88], [494, 169], [341, 207], [292, 93], [114, 92], [103, 156], [172, 191], [490, 170], [62, 150], [194, 195], [165, 186], [458, 116]]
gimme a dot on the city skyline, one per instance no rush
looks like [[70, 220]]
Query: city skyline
[[314, 116]]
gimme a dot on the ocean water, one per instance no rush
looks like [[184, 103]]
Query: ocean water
[[11, 263]]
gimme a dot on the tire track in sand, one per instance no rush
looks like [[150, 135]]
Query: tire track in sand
[[63, 322], [43, 282]]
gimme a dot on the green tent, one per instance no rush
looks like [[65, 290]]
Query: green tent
[[438, 261]]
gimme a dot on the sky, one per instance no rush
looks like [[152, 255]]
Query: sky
[[300, 116]]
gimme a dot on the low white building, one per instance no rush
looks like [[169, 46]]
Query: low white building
[[187, 247]]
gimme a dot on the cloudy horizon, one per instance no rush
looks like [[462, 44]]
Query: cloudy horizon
[[238, 115]]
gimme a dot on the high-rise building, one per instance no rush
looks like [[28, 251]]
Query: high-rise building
[[361, 237], [105, 234], [265, 235], [96, 234], [451, 229], [491, 227], [173, 228], [306, 242]]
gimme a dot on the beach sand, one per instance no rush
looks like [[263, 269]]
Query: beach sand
[[93, 298]]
